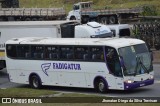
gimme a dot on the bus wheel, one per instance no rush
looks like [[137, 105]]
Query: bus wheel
[[101, 86], [35, 82]]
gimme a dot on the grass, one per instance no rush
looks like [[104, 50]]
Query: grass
[[24, 92], [29, 92], [98, 4]]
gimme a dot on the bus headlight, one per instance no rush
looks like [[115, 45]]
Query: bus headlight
[[151, 77], [129, 81]]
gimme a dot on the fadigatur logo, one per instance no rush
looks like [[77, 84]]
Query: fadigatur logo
[[45, 67]]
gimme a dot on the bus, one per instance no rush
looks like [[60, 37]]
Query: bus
[[103, 64]]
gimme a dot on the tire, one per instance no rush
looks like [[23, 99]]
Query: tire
[[40, 19], [34, 19], [35, 82], [73, 18], [104, 20], [18, 19], [27, 19], [101, 86], [112, 20]]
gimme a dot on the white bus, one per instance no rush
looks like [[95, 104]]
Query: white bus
[[109, 63]]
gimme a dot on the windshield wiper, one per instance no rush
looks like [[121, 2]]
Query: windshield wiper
[[141, 64], [144, 67]]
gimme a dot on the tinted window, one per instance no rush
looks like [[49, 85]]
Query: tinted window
[[142, 48], [11, 51], [97, 53], [124, 32], [82, 53], [37, 52], [23, 51], [51, 52], [66, 53]]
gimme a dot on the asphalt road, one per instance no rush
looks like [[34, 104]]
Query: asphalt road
[[148, 91]]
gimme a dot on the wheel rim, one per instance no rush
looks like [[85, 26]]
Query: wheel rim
[[104, 21], [112, 20], [35, 82], [101, 86]]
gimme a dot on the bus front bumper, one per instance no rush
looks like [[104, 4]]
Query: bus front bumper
[[128, 86]]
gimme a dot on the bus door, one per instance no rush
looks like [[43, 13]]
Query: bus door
[[113, 64]]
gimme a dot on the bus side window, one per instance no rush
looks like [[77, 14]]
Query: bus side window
[[51, 52], [82, 53], [37, 52], [97, 53], [66, 53], [23, 51], [11, 51]]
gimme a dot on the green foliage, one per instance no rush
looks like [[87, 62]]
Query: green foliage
[[153, 6], [149, 10], [24, 92]]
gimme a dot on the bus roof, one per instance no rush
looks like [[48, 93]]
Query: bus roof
[[113, 42], [28, 23]]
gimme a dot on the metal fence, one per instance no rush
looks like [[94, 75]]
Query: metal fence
[[149, 32]]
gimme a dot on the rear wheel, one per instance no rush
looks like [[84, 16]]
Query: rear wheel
[[112, 20], [35, 82]]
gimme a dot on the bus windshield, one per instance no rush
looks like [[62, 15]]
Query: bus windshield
[[136, 59]]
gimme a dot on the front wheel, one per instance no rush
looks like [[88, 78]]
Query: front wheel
[[35, 82], [101, 86]]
